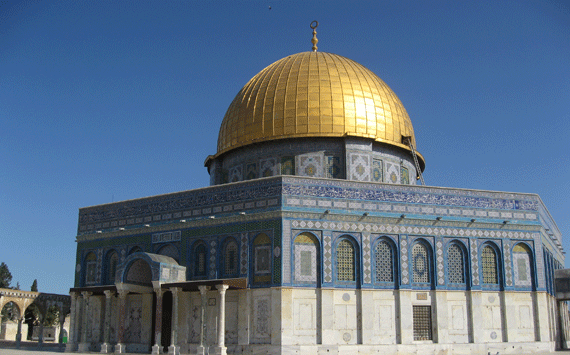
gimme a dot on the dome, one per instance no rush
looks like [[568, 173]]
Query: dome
[[315, 94]]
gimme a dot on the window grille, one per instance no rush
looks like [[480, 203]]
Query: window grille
[[201, 260], [230, 259], [422, 322], [455, 265], [345, 261], [384, 262], [112, 268], [90, 269], [420, 264], [489, 265]]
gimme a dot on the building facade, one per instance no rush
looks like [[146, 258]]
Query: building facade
[[314, 238]]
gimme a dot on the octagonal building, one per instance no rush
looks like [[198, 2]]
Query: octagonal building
[[313, 237]]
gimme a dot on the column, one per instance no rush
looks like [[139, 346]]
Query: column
[[41, 332], [174, 349], [75, 331], [106, 346], [61, 322], [157, 347], [84, 345], [220, 348], [201, 349], [121, 348], [19, 333]]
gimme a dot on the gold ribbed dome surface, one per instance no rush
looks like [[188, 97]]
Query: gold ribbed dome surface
[[315, 94]]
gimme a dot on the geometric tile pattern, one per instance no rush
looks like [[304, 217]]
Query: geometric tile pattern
[[474, 262], [327, 258], [392, 173], [251, 171], [268, 167], [366, 262], [235, 174], [404, 259], [359, 167], [421, 270], [439, 261], [213, 259], [377, 173], [310, 165], [286, 253], [507, 263], [244, 250]]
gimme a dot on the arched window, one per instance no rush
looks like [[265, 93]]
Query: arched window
[[169, 250], [455, 264], [90, 269], [262, 258], [345, 261], [489, 265], [306, 258], [135, 250], [200, 267], [230, 258], [522, 256], [384, 258], [421, 265], [111, 268]]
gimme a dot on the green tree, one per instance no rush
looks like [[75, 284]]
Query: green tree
[[5, 276], [35, 285]]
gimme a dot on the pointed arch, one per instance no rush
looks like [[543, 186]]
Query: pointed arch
[[200, 260], [490, 270], [422, 263], [347, 261], [169, 250], [306, 259], [110, 269], [261, 258], [523, 265], [457, 264], [90, 269], [230, 252], [385, 261]]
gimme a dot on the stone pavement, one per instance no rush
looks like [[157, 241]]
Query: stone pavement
[[31, 348]]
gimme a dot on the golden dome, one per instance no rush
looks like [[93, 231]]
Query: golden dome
[[315, 94]]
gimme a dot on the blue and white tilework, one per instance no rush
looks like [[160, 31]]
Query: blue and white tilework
[[521, 268], [235, 174], [359, 167], [268, 167], [474, 262], [404, 260], [508, 269], [213, 259], [244, 253], [310, 165], [366, 259], [327, 257], [439, 261], [286, 235], [392, 172]]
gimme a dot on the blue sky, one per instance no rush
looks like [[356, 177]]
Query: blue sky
[[104, 101]]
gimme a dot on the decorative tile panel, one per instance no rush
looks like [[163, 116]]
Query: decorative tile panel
[[268, 167], [244, 250], [235, 174], [327, 258], [366, 259], [474, 262], [377, 170], [507, 257], [392, 173], [439, 261], [359, 167], [310, 165], [404, 262], [251, 171]]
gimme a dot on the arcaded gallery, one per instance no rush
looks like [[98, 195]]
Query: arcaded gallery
[[317, 235]]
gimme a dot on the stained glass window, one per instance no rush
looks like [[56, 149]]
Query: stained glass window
[[345, 261], [230, 259], [384, 262], [489, 265], [420, 263], [455, 264]]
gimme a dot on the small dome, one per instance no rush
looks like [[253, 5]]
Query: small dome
[[315, 94]]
